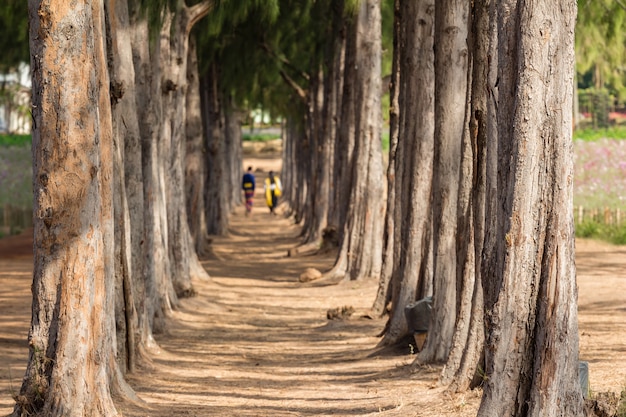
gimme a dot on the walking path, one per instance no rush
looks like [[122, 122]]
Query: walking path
[[256, 342]]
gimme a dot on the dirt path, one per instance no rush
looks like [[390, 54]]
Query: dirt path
[[255, 342]]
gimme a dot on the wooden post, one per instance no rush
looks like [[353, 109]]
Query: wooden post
[[581, 214]]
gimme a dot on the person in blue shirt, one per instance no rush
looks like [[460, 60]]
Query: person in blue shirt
[[247, 185]]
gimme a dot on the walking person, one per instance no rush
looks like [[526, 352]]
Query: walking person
[[273, 190], [248, 185]]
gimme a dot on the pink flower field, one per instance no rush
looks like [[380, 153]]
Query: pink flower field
[[600, 174]]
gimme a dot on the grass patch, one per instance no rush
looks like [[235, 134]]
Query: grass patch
[[591, 135], [260, 137], [15, 140], [608, 233], [16, 174]]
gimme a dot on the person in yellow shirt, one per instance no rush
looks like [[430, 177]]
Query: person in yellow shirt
[[273, 190]]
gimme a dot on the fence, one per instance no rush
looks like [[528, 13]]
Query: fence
[[15, 218], [607, 216]]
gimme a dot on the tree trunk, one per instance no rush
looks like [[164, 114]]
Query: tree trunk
[[451, 67], [294, 175], [383, 295], [318, 199], [234, 153], [158, 289], [468, 344], [72, 329], [216, 202], [125, 128], [174, 45], [344, 141], [415, 163], [195, 170], [530, 290], [360, 254], [339, 151]]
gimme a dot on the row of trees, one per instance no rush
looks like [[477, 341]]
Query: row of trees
[[137, 154], [119, 185], [479, 186]]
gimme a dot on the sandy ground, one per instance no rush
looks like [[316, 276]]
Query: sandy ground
[[255, 342]]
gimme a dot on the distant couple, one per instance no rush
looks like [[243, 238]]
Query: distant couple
[[273, 190]]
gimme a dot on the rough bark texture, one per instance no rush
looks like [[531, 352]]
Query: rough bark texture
[[360, 255], [195, 170], [216, 197], [234, 152], [383, 295], [344, 141], [157, 302], [127, 151], [415, 162], [71, 336], [468, 344], [174, 64], [337, 195], [158, 151], [451, 66], [294, 185], [530, 292], [317, 206]]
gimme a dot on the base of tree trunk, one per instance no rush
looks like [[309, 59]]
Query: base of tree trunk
[[604, 404]]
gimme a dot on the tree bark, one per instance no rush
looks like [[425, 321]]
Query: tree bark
[[217, 195], [468, 344], [234, 159], [530, 290], [414, 161], [128, 200], [451, 67], [383, 295], [154, 280], [71, 339], [360, 254], [195, 169], [344, 141]]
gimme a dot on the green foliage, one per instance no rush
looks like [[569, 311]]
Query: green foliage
[[13, 34], [15, 140], [386, 9], [385, 139], [260, 137], [16, 171], [598, 103], [609, 233], [600, 41], [591, 135]]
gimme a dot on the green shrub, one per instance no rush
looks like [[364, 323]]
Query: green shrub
[[609, 233], [587, 229], [592, 135], [15, 140], [16, 174], [260, 137]]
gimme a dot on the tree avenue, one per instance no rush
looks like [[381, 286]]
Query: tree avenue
[[137, 110]]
